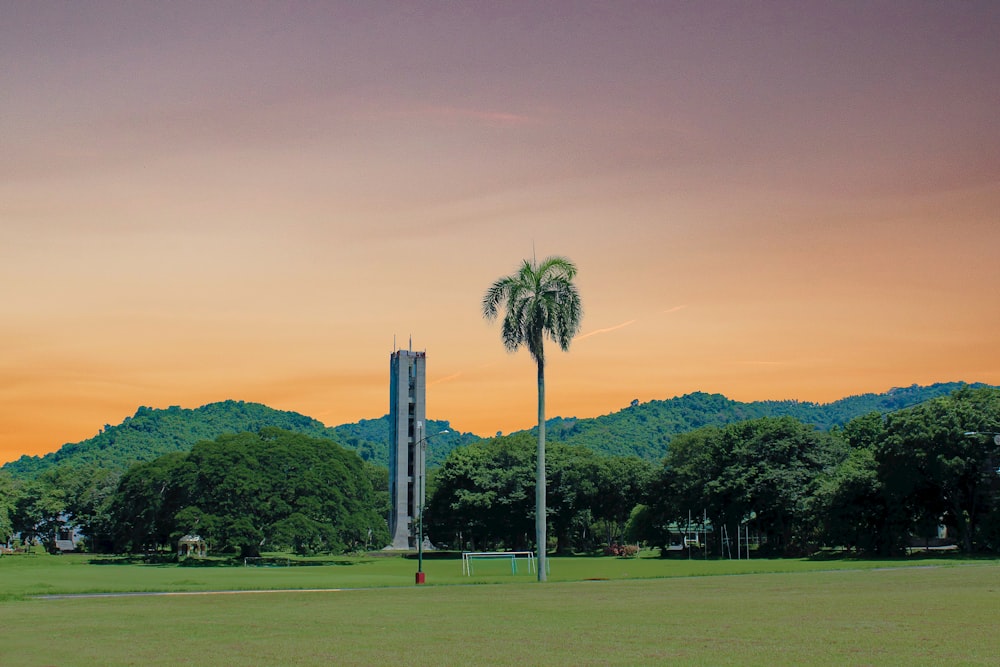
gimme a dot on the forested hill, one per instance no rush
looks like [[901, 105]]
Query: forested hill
[[152, 433], [370, 438], [645, 429], [642, 430]]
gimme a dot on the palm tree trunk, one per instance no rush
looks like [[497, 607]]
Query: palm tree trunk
[[540, 510]]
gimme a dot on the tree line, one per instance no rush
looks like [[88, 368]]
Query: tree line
[[483, 496], [873, 486], [643, 429], [271, 490], [646, 429]]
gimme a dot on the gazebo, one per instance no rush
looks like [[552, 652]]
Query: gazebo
[[191, 546]]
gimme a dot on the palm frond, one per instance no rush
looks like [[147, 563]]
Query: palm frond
[[538, 301]]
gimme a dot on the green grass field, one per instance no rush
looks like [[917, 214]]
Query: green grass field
[[594, 611]]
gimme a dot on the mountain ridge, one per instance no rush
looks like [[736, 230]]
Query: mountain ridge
[[641, 429]]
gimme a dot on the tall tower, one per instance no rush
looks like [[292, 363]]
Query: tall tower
[[407, 416]]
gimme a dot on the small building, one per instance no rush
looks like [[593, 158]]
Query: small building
[[192, 546], [67, 537]]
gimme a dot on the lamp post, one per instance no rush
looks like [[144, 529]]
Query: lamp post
[[996, 436], [421, 453], [996, 441]]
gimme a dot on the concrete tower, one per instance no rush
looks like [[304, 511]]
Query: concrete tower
[[407, 416]]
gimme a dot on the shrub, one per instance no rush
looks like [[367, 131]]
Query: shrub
[[622, 550]]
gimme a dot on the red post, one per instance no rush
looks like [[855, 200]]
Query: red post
[[420, 577]]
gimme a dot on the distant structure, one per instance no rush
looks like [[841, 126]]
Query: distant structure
[[407, 416], [191, 546]]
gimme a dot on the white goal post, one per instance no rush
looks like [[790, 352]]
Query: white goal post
[[512, 556]]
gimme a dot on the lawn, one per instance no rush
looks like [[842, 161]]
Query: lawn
[[637, 611], [42, 574]]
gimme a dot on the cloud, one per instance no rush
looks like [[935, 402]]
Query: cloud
[[622, 325], [446, 378], [606, 330], [455, 376]]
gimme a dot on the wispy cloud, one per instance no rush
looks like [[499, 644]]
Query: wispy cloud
[[605, 330], [675, 309], [455, 376], [446, 378]]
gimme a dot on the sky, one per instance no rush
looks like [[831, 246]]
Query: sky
[[260, 201]]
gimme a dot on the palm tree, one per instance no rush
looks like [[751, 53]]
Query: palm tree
[[539, 300]]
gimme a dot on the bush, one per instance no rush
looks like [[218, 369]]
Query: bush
[[622, 550]]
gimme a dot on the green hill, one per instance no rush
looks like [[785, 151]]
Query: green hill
[[151, 433], [370, 438], [643, 430]]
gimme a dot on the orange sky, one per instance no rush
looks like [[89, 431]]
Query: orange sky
[[785, 200]]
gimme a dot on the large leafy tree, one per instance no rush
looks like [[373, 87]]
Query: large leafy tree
[[282, 489], [848, 508], [483, 494], [621, 482], [572, 494], [695, 459], [39, 512], [66, 495], [247, 490], [767, 469], [146, 502], [538, 301], [88, 491], [932, 472], [8, 503]]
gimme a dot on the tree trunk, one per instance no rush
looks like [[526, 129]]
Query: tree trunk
[[540, 510]]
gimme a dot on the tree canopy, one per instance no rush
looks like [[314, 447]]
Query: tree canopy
[[643, 429], [244, 491], [761, 471], [8, 499], [647, 429], [880, 483], [151, 433], [938, 464], [483, 495]]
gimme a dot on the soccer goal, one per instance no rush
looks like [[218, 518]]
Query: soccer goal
[[469, 557]]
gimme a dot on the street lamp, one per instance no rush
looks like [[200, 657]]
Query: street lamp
[[996, 441], [996, 436], [421, 452]]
